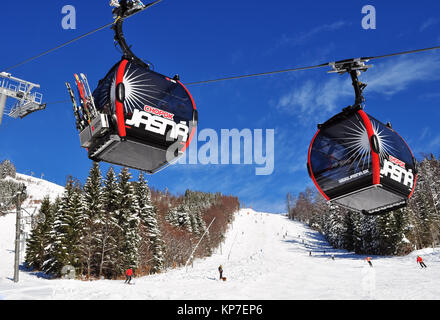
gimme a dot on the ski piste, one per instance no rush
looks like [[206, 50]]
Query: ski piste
[[79, 121], [83, 98]]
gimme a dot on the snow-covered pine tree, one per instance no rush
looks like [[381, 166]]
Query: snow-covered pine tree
[[66, 232], [349, 234], [384, 235], [194, 225], [152, 242], [179, 217], [196, 202], [128, 220], [8, 189], [38, 239], [319, 208], [335, 226], [51, 236], [107, 228], [92, 213], [423, 207], [400, 226], [431, 172], [368, 235], [7, 169]]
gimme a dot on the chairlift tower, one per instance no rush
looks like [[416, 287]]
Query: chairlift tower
[[20, 90]]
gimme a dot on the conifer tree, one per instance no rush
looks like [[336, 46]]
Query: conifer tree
[[179, 217], [128, 221], [107, 228], [66, 231], [51, 236], [7, 168], [92, 213], [348, 237], [38, 239], [150, 227]]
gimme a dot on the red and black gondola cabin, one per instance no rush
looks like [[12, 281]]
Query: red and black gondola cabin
[[153, 117], [136, 117], [361, 164]]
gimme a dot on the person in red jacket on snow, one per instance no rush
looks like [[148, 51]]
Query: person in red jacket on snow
[[128, 275], [420, 261], [368, 259]]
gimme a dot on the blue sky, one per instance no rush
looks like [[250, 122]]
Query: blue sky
[[205, 39]]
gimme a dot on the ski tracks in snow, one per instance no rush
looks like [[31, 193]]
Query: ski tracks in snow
[[264, 256]]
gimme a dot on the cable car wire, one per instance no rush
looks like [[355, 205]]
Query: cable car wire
[[57, 102], [310, 67], [223, 78], [74, 40], [57, 47]]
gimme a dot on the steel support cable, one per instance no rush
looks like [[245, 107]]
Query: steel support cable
[[76, 39], [310, 67], [223, 78]]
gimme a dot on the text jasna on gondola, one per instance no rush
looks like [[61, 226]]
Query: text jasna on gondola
[[395, 169], [158, 124]]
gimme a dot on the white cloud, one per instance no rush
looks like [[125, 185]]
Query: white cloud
[[301, 38], [435, 143], [428, 23], [425, 133], [312, 96], [385, 78], [398, 74]]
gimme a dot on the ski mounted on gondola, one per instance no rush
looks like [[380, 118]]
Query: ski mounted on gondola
[[356, 161], [135, 117]]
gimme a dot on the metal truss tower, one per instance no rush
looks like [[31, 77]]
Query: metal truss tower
[[20, 90]]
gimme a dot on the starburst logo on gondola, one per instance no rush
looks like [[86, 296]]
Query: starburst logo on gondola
[[139, 91], [357, 144]]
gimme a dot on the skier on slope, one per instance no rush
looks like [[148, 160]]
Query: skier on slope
[[420, 261], [368, 259], [220, 271], [128, 275]]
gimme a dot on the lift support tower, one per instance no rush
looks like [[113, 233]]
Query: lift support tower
[[20, 90]]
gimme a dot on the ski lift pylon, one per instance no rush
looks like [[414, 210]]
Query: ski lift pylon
[[358, 162], [135, 117]]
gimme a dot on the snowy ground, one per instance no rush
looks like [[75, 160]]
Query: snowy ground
[[36, 190], [264, 258]]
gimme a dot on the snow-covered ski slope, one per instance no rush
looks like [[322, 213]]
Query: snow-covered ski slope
[[263, 257], [37, 189]]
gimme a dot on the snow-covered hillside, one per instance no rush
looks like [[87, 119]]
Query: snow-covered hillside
[[37, 188], [264, 256]]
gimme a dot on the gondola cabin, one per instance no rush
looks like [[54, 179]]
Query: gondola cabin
[[361, 164], [136, 117], [152, 118]]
